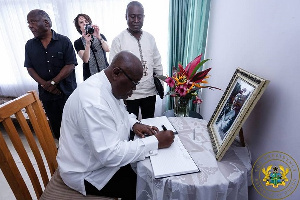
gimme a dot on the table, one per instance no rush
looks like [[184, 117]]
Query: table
[[170, 113], [228, 179]]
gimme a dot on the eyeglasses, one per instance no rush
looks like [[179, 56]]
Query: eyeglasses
[[134, 83]]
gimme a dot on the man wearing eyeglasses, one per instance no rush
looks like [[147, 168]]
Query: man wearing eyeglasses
[[143, 45], [95, 152]]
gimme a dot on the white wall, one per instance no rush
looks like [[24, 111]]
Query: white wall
[[262, 37]]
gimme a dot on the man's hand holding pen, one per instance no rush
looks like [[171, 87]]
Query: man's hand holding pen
[[143, 130], [165, 138]]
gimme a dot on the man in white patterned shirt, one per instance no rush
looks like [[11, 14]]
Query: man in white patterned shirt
[[142, 44]]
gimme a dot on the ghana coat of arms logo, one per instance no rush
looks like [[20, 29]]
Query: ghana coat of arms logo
[[276, 177]]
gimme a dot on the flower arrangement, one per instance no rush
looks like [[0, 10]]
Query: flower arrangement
[[185, 82]]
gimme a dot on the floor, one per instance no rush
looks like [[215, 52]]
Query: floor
[[5, 191]]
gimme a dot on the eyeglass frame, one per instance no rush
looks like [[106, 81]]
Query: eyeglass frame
[[134, 83]]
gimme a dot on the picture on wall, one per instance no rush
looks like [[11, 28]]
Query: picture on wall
[[238, 100]]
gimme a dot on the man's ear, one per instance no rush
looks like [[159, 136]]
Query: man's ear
[[47, 24], [116, 72]]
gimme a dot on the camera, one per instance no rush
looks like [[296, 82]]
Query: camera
[[89, 29]]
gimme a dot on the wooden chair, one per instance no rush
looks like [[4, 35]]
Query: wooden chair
[[12, 118]]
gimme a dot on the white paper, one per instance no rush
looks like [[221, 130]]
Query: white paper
[[174, 160], [158, 122]]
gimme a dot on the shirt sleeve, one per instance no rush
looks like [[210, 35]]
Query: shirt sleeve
[[70, 57], [157, 67], [27, 62], [114, 49], [103, 37], [78, 45], [107, 137]]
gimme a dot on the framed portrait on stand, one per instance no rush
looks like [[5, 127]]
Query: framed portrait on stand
[[238, 100]]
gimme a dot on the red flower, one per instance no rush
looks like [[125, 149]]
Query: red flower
[[197, 100], [170, 82], [185, 82], [181, 90]]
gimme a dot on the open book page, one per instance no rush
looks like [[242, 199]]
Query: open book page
[[174, 160], [158, 122]]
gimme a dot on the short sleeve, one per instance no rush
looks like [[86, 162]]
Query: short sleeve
[[78, 45]]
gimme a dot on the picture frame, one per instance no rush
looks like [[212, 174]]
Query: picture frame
[[236, 104]]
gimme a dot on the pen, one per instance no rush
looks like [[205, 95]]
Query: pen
[[194, 136], [164, 128]]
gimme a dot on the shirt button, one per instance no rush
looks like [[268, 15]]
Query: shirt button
[[150, 152], [46, 52], [47, 60], [49, 70]]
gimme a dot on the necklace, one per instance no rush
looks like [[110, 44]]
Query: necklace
[[144, 63]]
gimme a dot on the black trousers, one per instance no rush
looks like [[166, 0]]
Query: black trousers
[[54, 110], [147, 106], [121, 185]]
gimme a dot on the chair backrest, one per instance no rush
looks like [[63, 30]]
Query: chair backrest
[[13, 119]]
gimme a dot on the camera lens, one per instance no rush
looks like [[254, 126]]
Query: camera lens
[[89, 29]]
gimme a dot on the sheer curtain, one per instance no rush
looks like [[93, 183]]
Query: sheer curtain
[[188, 30], [108, 14]]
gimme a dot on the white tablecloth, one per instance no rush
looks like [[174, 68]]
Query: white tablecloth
[[228, 179]]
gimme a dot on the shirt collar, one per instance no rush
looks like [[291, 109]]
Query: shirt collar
[[108, 85], [54, 36]]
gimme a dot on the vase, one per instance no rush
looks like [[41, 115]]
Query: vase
[[181, 106]]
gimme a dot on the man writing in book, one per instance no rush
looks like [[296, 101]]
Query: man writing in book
[[94, 152]]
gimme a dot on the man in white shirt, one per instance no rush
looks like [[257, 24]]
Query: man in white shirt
[[142, 44], [94, 152]]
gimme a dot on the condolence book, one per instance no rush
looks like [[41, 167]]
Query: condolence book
[[174, 160]]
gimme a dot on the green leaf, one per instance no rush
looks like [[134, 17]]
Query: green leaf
[[161, 77], [198, 66], [171, 93]]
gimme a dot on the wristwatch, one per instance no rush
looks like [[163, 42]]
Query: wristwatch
[[52, 82]]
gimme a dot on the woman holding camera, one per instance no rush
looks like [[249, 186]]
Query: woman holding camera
[[91, 46]]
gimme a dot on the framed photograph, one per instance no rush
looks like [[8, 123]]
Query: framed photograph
[[238, 100]]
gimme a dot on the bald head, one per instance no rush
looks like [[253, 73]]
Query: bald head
[[124, 73], [128, 61]]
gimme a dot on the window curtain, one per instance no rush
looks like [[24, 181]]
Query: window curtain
[[188, 23], [109, 15]]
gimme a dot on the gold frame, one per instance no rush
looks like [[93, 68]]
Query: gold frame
[[237, 102]]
